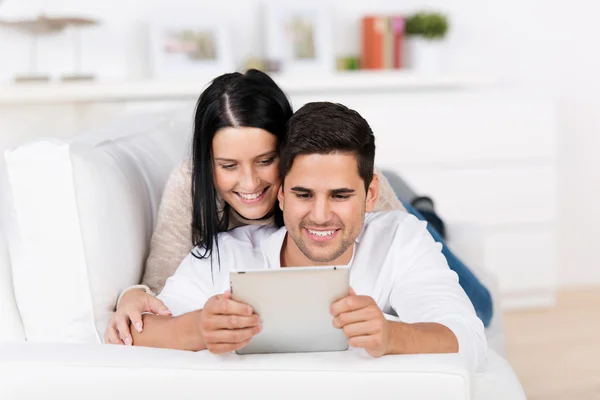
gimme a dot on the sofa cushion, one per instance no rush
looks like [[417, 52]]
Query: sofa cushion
[[83, 213]]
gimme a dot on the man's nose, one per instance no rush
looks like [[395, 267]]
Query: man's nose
[[321, 211]]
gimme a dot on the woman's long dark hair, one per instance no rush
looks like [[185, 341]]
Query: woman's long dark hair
[[233, 100]]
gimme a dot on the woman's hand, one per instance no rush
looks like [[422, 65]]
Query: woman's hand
[[130, 309]]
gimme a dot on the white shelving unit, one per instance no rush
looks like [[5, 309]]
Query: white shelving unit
[[109, 92]]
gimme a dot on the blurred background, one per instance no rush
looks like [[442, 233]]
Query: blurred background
[[491, 108]]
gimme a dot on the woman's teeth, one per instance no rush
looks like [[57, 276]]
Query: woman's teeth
[[252, 196], [321, 233]]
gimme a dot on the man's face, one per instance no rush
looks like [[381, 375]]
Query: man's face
[[324, 202]]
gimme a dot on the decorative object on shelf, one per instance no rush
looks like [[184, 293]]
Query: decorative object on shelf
[[425, 32], [382, 42], [348, 63], [76, 23], [185, 47], [299, 38], [269, 66], [45, 25]]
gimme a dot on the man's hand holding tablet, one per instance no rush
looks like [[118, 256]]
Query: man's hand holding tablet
[[227, 325], [363, 323]]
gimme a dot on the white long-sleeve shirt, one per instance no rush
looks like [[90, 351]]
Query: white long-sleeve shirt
[[395, 261]]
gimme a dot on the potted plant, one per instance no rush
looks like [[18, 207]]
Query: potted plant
[[425, 32]]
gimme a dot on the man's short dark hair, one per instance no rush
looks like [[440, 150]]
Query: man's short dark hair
[[325, 128]]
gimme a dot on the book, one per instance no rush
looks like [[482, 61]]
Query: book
[[373, 30], [397, 24], [388, 44]]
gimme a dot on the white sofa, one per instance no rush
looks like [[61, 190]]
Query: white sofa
[[76, 218]]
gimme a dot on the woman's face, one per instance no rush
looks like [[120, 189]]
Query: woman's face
[[246, 170]]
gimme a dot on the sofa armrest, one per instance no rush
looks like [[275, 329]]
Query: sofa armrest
[[35, 370]]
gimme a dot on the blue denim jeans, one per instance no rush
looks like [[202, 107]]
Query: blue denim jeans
[[477, 293]]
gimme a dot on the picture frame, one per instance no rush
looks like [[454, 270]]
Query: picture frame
[[298, 38], [183, 48]]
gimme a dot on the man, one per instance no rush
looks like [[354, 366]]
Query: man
[[404, 298]]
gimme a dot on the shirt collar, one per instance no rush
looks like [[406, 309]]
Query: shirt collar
[[271, 248], [362, 231]]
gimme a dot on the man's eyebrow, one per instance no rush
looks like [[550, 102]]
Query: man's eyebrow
[[342, 191], [301, 189], [268, 153], [332, 191]]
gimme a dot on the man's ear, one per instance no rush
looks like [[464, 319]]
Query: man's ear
[[372, 194], [280, 196]]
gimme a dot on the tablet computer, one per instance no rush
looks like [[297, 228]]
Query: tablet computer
[[293, 304]]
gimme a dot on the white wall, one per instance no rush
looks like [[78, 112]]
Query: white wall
[[550, 46]]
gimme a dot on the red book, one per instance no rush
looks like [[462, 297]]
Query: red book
[[372, 42], [398, 34]]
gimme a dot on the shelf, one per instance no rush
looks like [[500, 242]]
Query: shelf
[[110, 92]]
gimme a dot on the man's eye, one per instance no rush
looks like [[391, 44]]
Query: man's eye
[[341, 196], [302, 195]]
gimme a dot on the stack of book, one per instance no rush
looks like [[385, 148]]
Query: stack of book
[[382, 40]]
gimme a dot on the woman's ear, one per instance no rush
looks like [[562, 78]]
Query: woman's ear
[[280, 196], [372, 194]]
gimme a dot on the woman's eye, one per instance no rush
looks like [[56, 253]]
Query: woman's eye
[[267, 162], [228, 166]]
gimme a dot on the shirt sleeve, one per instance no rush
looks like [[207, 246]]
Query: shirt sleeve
[[427, 290], [191, 286]]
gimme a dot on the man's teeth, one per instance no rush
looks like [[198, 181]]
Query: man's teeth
[[252, 196], [321, 233]]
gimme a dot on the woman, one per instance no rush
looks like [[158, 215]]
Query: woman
[[233, 181]]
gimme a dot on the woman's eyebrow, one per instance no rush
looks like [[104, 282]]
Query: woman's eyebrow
[[225, 159], [268, 153]]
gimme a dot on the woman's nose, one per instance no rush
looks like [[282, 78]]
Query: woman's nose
[[249, 181]]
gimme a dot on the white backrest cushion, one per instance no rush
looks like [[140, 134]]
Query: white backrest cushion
[[84, 212], [11, 328]]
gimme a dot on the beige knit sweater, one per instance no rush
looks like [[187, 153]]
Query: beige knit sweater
[[172, 237]]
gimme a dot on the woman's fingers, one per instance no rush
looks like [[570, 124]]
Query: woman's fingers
[[136, 320], [156, 306], [123, 329], [113, 335]]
